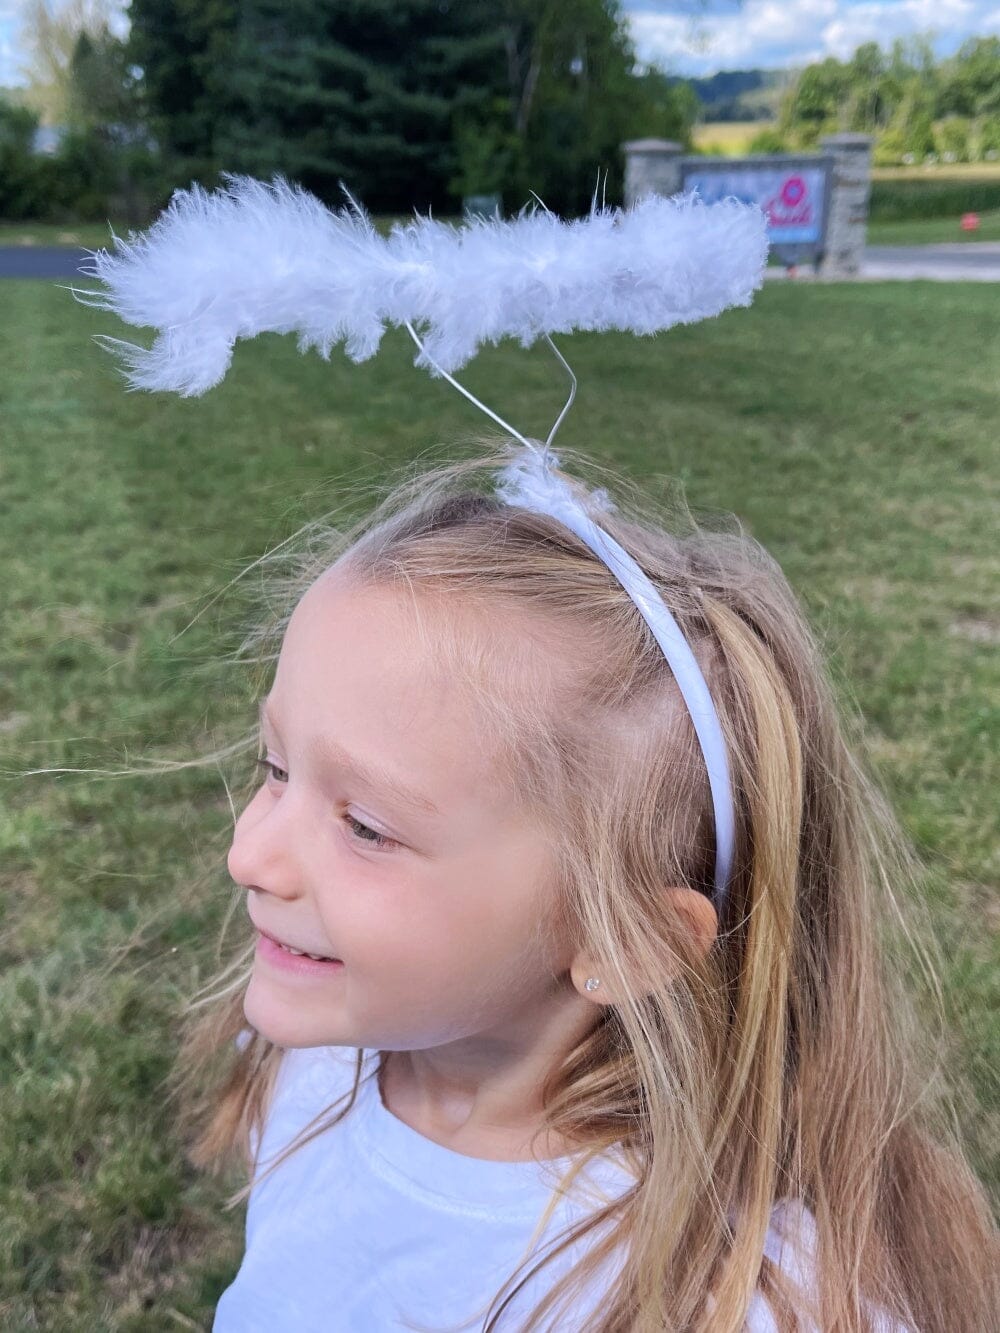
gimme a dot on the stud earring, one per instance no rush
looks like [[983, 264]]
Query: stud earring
[[591, 983]]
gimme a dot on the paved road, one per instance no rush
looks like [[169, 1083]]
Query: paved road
[[976, 261], [36, 261], [973, 261]]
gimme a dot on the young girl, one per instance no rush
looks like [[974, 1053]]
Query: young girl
[[506, 1053]]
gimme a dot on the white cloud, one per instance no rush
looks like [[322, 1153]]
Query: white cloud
[[777, 33], [875, 22]]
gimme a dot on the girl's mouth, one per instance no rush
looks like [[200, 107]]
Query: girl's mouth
[[293, 960]]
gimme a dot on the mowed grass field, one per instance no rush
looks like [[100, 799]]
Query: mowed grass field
[[729, 136], [910, 231], [853, 430]]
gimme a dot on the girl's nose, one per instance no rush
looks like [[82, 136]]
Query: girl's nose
[[261, 854]]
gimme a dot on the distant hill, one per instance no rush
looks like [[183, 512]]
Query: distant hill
[[741, 94]]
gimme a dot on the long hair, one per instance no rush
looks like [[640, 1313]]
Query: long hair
[[791, 1061]]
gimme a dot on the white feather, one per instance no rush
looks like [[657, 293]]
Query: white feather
[[531, 479], [254, 257]]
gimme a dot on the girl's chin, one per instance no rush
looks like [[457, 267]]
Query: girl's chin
[[285, 1020]]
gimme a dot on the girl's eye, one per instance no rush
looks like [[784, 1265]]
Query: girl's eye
[[376, 839]]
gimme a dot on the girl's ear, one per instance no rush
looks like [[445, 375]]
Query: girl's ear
[[698, 912], [698, 915]]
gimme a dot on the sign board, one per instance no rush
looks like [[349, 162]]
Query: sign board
[[794, 192]]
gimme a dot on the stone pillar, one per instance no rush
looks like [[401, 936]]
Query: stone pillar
[[652, 166], [847, 222]]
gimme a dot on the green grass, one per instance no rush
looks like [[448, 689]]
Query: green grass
[[940, 171], [915, 231], [97, 235], [90, 234], [911, 198], [851, 427], [932, 231]]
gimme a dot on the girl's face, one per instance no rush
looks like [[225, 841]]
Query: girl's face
[[431, 900]]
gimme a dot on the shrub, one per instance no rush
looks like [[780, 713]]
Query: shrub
[[989, 136], [895, 201], [891, 149], [952, 137], [20, 186], [767, 141]]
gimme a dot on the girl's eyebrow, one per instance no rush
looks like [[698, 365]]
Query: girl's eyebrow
[[373, 776]]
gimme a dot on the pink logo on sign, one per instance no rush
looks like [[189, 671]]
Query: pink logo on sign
[[791, 206]]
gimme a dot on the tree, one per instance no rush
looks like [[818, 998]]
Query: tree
[[915, 122], [898, 96], [971, 84], [49, 36], [409, 103], [668, 109], [360, 91], [952, 139], [814, 101], [577, 95], [875, 89], [767, 141], [102, 89], [184, 50], [19, 186]]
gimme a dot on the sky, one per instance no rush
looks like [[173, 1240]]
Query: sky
[[690, 37]]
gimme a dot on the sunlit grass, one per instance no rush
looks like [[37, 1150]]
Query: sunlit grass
[[731, 136]]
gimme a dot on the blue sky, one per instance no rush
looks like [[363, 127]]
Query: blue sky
[[687, 37]]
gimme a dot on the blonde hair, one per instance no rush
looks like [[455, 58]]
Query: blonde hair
[[791, 1061]]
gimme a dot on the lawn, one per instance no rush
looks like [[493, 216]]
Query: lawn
[[915, 231], [940, 171], [933, 231], [852, 428], [93, 235]]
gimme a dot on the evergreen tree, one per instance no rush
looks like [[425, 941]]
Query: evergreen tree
[[184, 49], [359, 91], [102, 88], [409, 103]]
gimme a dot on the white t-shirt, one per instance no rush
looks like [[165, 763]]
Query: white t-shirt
[[370, 1223]]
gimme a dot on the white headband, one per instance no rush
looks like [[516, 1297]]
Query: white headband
[[531, 482], [254, 258]]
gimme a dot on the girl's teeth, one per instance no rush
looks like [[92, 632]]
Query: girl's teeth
[[301, 953]]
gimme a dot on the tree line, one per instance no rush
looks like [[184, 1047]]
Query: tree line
[[918, 108], [418, 104], [408, 103]]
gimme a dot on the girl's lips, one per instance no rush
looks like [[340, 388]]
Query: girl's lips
[[277, 956]]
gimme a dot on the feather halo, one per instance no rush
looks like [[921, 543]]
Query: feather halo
[[254, 257]]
